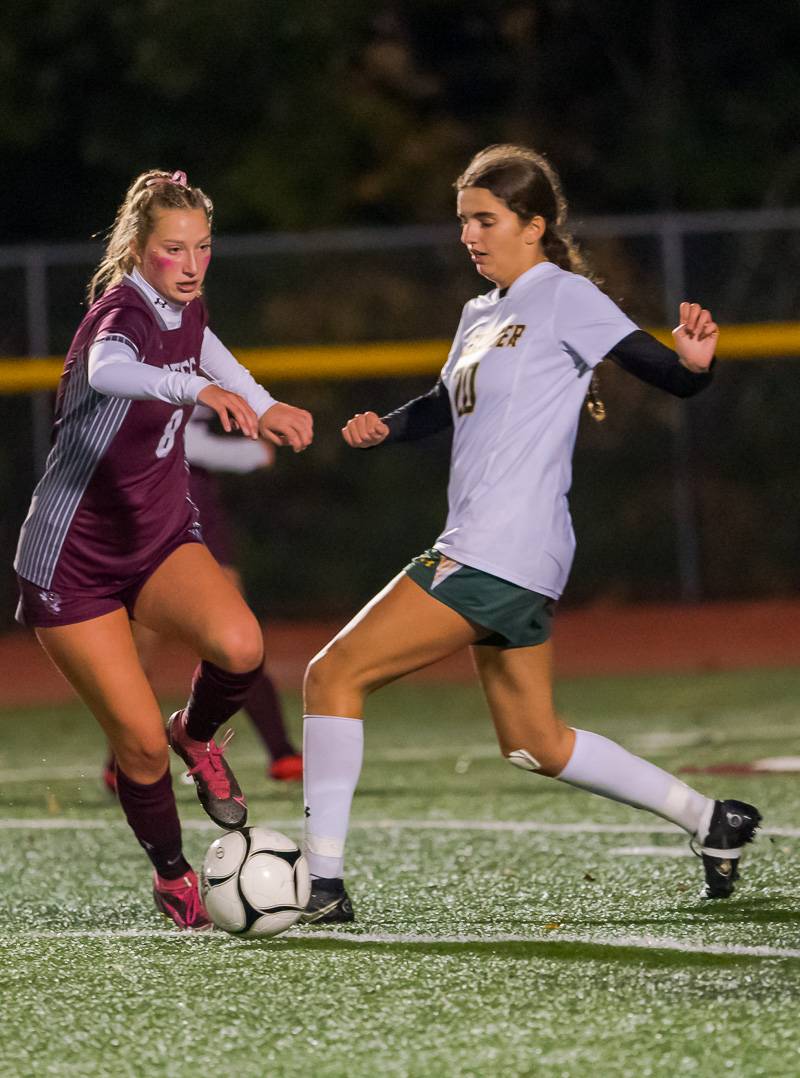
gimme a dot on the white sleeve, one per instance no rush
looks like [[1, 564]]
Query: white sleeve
[[586, 322], [223, 452], [115, 370], [225, 369]]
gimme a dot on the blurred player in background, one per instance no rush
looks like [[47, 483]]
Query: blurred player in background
[[207, 454], [512, 390], [111, 535]]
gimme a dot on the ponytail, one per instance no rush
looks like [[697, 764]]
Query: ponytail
[[562, 250]]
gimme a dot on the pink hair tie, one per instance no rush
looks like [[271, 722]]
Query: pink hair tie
[[178, 178]]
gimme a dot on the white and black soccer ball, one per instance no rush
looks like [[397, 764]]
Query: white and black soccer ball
[[254, 882]]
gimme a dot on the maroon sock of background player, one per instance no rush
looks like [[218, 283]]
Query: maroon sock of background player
[[151, 811], [263, 705], [216, 695]]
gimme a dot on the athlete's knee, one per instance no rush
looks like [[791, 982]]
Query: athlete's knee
[[144, 760], [320, 673], [238, 646], [333, 668]]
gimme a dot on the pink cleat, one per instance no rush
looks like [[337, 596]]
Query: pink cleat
[[217, 787], [180, 901]]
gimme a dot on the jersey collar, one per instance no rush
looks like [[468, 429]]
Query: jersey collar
[[169, 314], [539, 270]]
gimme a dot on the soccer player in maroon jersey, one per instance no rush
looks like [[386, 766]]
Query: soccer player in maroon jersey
[[112, 536]]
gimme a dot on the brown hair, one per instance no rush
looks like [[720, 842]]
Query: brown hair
[[529, 185], [151, 191]]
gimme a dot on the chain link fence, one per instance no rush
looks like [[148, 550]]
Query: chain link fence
[[671, 499]]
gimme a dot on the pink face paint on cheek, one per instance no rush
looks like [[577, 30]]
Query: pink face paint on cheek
[[163, 263]]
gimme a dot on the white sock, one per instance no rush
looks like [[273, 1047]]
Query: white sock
[[333, 748], [603, 767]]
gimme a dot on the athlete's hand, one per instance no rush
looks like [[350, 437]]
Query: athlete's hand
[[695, 338], [364, 430], [283, 424], [233, 410]]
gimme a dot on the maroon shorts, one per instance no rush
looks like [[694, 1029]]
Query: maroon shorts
[[205, 493], [39, 608]]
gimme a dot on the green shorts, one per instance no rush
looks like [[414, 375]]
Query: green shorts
[[513, 617]]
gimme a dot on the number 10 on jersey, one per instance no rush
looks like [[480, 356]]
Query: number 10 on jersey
[[464, 389]]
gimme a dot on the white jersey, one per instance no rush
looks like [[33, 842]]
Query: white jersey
[[517, 376]]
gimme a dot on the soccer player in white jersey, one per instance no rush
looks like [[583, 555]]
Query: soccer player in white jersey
[[512, 389]]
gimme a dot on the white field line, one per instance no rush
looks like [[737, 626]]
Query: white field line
[[727, 735], [43, 774], [651, 851], [582, 827], [651, 740], [648, 943]]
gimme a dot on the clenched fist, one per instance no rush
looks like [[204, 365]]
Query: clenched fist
[[365, 430]]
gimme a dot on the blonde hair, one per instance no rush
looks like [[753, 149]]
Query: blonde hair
[[151, 191], [529, 185]]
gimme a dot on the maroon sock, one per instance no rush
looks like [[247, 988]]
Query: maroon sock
[[151, 811], [216, 695], [263, 705]]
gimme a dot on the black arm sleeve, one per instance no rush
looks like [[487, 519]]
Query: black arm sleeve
[[646, 358], [420, 417]]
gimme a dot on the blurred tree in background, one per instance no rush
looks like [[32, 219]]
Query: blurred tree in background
[[332, 112]]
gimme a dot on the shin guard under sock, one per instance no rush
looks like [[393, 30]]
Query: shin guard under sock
[[153, 816], [216, 695], [603, 767], [333, 749]]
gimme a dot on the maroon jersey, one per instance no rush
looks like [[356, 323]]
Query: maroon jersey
[[114, 491]]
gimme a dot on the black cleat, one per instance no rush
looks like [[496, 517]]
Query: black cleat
[[329, 904], [733, 825]]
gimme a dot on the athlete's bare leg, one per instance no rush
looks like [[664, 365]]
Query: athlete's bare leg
[[262, 705], [518, 685], [191, 598], [99, 659], [147, 644], [402, 629], [148, 641]]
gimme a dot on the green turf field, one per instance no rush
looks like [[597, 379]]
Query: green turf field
[[506, 925]]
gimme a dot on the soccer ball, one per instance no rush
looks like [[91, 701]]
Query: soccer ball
[[254, 882]]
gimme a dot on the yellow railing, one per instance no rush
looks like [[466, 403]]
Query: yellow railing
[[763, 340]]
